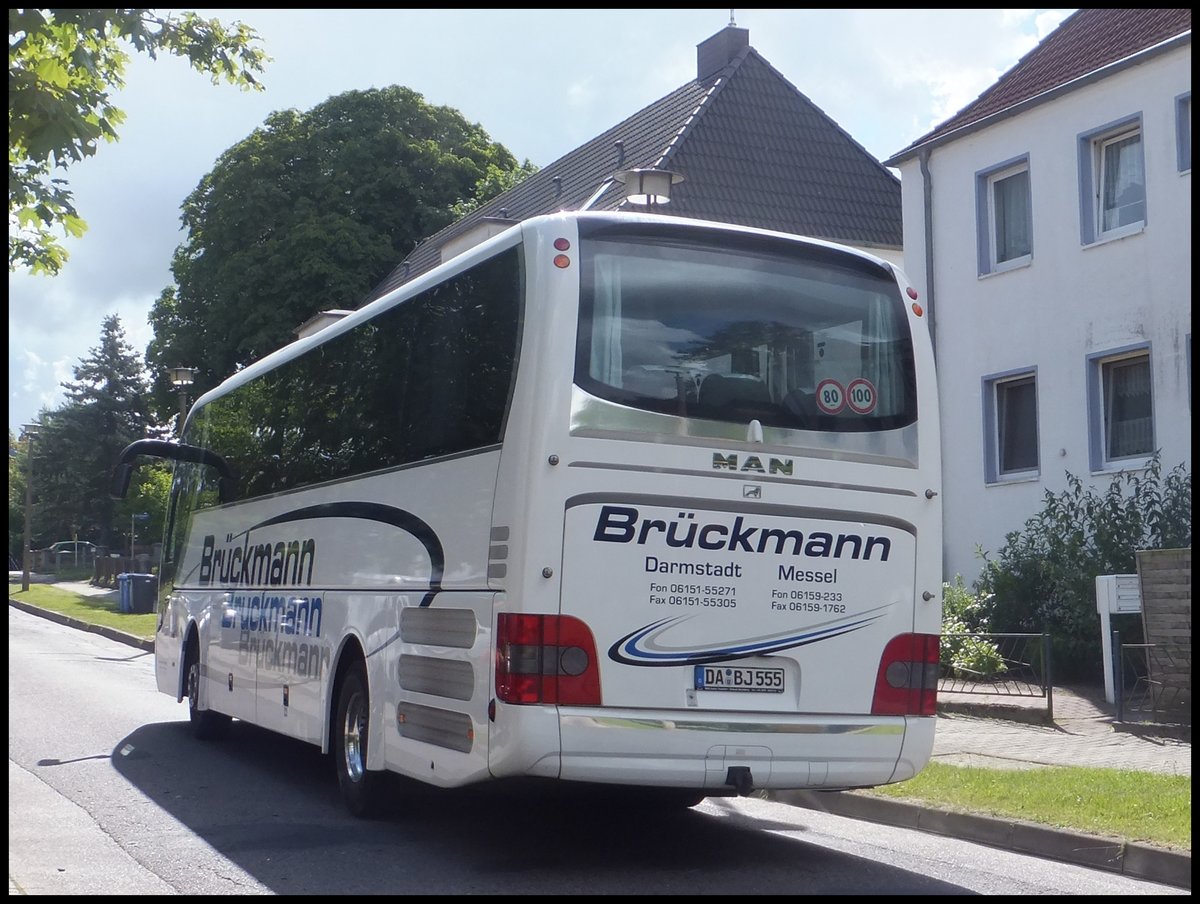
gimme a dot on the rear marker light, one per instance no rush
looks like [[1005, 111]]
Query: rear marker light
[[907, 680], [546, 659], [562, 261], [561, 244]]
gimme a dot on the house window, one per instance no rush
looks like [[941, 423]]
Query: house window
[[1183, 131], [1113, 181], [1122, 182], [1121, 408], [1011, 426], [1005, 217]]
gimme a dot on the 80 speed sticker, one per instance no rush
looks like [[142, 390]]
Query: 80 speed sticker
[[831, 397]]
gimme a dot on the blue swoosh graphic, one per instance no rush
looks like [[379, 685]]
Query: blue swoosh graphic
[[639, 648]]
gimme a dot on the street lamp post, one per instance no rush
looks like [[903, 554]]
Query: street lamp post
[[30, 431], [183, 377]]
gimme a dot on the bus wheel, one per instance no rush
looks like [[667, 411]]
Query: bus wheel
[[206, 724], [360, 789]]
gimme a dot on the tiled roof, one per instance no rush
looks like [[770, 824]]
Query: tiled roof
[[1086, 41], [752, 149]]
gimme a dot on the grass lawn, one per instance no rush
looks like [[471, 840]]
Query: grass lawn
[[1135, 806], [95, 610]]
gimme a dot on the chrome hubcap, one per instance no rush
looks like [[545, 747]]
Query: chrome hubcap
[[193, 685], [354, 736]]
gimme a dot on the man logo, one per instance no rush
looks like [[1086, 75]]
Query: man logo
[[752, 464], [752, 492]]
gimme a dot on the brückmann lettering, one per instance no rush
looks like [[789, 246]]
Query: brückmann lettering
[[625, 524], [249, 564]]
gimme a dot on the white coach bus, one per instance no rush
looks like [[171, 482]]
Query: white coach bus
[[624, 499]]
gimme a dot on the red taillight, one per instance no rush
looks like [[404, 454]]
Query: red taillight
[[906, 684], [546, 659]]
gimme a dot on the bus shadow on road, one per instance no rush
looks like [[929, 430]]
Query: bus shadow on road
[[272, 806]]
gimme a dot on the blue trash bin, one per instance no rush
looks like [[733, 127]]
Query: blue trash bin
[[141, 593], [126, 593]]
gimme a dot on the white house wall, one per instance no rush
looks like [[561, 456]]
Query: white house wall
[[1069, 303]]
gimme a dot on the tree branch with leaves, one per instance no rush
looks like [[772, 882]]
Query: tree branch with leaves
[[63, 66]]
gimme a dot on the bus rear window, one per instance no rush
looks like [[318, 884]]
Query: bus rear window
[[794, 336]]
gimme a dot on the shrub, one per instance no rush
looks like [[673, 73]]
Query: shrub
[[965, 614], [1043, 578]]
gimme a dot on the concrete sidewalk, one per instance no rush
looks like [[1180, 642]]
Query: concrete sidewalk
[[993, 733]]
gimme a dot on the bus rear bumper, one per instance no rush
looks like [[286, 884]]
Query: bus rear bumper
[[714, 750]]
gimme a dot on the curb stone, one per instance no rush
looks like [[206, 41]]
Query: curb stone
[[104, 631], [1030, 716], [1128, 858]]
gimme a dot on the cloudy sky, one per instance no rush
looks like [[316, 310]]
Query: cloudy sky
[[539, 82]]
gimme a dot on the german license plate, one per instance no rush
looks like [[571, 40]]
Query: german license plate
[[739, 678]]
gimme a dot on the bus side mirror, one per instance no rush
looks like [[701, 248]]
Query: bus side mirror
[[120, 480], [158, 448]]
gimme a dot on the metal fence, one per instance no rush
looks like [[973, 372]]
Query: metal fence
[[108, 569], [1001, 665], [1142, 693]]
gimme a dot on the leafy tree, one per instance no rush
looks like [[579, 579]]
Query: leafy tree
[[494, 181], [308, 213], [62, 66], [17, 450], [80, 441], [149, 490], [1043, 578]]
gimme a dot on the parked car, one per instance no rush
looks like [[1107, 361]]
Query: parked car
[[72, 550]]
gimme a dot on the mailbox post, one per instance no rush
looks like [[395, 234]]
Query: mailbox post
[[1116, 594]]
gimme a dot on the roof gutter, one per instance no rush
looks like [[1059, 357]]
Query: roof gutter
[[927, 201], [1016, 109]]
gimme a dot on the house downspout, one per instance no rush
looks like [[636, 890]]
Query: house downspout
[[927, 200]]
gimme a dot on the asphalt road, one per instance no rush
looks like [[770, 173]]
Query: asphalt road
[[110, 794]]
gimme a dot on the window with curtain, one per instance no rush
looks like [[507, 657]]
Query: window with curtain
[[1012, 217], [1128, 410], [1122, 181], [1183, 131], [1016, 426]]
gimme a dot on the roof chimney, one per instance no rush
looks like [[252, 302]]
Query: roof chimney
[[719, 50]]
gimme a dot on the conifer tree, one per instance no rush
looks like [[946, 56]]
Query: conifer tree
[[106, 409]]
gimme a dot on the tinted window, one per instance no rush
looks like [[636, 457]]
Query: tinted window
[[428, 377], [790, 335]]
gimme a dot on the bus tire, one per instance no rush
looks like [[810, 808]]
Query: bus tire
[[361, 790], [207, 724]]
